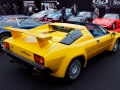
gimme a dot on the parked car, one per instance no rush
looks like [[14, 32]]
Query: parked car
[[60, 49], [83, 16], [57, 17], [23, 22], [40, 16], [109, 21]]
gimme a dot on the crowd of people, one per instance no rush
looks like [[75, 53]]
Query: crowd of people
[[8, 9], [75, 10], [14, 9]]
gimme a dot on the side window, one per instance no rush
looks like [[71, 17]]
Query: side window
[[104, 30], [70, 38], [95, 30]]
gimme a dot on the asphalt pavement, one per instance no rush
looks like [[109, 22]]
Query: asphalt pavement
[[102, 73]]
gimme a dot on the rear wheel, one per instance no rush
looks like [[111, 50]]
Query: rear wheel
[[73, 71], [2, 38]]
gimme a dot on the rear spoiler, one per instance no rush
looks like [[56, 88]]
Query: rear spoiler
[[41, 38]]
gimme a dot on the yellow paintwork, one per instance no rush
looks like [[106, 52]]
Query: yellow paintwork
[[57, 56]]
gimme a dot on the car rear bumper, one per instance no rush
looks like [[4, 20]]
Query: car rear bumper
[[24, 61]]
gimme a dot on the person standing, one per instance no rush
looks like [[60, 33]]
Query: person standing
[[43, 7], [1, 11], [15, 9], [96, 10], [74, 9], [107, 9], [63, 12]]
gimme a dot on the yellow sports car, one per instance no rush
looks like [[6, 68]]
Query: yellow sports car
[[60, 49]]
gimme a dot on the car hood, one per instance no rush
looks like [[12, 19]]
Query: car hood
[[103, 21]]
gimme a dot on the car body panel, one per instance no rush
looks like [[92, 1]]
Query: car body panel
[[43, 14], [83, 16], [46, 41], [108, 22]]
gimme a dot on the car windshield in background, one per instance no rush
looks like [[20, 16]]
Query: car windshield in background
[[62, 29], [18, 22], [113, 16], [42, 12], [8, 22], [52, 14], [55, 16], [28, 21], [68, 10], [81, 14]]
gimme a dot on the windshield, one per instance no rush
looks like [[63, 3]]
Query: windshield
[[113, 16], [28, 21], [68, 10], [19, 22], [42, 12], [54, 16], [84, 14], [50, 14]]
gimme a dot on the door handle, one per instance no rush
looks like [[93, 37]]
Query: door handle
[[98, 41]]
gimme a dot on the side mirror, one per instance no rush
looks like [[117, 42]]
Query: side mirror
[[113, 33]]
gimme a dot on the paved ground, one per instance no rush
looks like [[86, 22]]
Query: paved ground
[[101, 73]]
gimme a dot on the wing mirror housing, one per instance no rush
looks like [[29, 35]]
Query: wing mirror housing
[[113, 33]]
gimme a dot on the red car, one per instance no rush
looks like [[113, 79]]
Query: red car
[[109, 21]]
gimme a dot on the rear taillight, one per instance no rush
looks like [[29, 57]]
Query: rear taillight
[[39, 59], [6, 45]]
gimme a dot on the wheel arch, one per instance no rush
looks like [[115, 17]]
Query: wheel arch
[[5, 33], [82, 60], [65, 64]]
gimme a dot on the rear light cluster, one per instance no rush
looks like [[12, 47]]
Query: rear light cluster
[[39, 59], [6, 45]]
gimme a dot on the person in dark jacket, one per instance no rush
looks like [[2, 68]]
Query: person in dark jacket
[[1, 11], [96, 10], [15, 9], [74, 9], [63, 12]]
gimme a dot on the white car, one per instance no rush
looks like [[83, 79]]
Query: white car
[[42, 14]]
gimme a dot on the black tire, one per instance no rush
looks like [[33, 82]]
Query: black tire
[[113, 26], [73, 71], [2, 38], [115, 47]]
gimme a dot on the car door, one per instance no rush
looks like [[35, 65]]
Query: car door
[[101, 42], [103, 38]]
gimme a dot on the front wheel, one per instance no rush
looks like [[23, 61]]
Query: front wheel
[[116, 46], [73, 71]]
